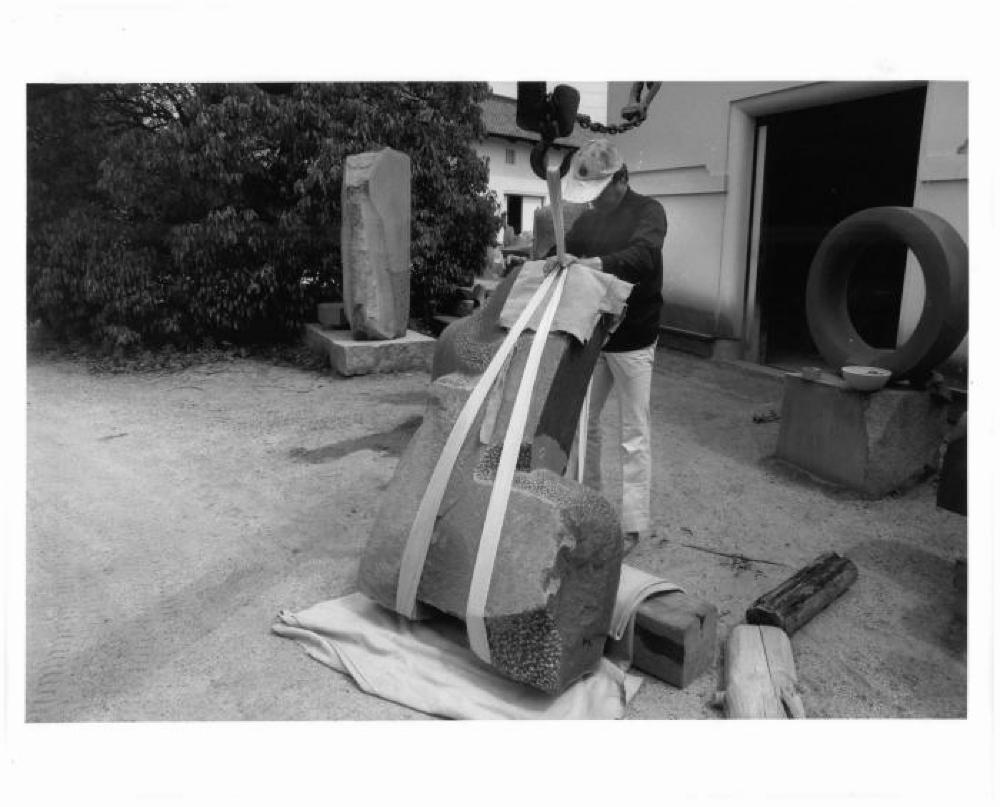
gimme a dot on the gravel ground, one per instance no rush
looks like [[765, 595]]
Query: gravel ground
[[170, 515]]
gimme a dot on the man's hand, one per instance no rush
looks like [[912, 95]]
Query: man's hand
[[635, 113], [553, 262]]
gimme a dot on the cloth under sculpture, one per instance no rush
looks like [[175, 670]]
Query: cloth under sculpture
[[587, 295], [426, 665]]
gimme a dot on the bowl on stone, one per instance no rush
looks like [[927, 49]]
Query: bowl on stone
[[865, 379]]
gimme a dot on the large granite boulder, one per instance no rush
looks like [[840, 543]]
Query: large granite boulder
[[558, 562], [375, 243]]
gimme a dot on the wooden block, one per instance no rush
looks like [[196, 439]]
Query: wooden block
[[760, 675], [674, 637], [804, 594]]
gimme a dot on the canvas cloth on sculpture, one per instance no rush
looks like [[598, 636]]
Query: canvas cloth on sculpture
[[587, 295]]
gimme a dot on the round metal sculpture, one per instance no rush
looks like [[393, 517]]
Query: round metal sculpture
[[944, 261]]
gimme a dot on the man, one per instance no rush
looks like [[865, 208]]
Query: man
[[620, 233]]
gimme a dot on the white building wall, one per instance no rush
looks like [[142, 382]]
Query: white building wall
[[942, 187], [679, 156], [693, 155]]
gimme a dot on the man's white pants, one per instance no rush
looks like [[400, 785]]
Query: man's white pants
[[630, 373]]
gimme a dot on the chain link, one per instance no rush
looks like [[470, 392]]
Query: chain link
[[586, 123]]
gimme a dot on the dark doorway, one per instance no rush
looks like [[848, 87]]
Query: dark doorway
[[822, 164], [514, 213]]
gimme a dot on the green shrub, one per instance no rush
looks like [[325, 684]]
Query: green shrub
[[175, 214]]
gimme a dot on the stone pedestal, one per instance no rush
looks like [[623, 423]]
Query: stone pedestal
[[350, 356], [375, 243], [874, 442]]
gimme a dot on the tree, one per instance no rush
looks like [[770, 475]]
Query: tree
[[178, 213]]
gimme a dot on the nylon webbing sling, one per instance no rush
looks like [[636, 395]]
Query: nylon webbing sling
[[422, 530], [496, 511], [581, 436]]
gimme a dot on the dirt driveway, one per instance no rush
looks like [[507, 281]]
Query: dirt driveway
[[170, 516]]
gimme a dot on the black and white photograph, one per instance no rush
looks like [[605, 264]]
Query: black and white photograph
[[570, 385]]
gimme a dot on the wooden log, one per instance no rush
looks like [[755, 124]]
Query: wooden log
[[760, 675], [804, 594], [675, 637]]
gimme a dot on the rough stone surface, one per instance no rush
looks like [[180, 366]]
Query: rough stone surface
[[559, 557], [349, 356], [874, 442], [468, 345], [557, 565], [375, 243]]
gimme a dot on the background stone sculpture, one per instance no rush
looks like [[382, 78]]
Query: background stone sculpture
[[375, 243]]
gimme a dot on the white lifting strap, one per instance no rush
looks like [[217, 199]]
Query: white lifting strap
[[496, 511], [581, 437], [422, 530]]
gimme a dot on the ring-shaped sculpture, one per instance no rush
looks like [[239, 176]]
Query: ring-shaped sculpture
[[944, 260]]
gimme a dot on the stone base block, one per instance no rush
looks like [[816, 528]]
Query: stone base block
[[350, 356], [332, 315], [874, 443]]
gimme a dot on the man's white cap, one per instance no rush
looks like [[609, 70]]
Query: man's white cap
[[591, 171]]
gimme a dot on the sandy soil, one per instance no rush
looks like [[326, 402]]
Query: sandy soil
[[171, 515]]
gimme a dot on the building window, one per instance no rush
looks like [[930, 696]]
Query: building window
[[511, 156]]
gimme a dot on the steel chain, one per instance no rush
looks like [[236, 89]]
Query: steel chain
[[586, 123]]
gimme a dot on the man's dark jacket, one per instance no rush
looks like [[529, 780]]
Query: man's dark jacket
[[629, 242]]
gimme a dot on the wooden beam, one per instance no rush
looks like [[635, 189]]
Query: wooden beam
[[804, 594], [760, 675], [675, 637]]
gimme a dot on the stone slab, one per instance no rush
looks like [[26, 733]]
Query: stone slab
[[350, 356], [874, 443]]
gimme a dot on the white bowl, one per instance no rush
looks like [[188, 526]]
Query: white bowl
[[865, 379]]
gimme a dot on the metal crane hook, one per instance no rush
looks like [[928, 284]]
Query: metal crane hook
[[551, 116]]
